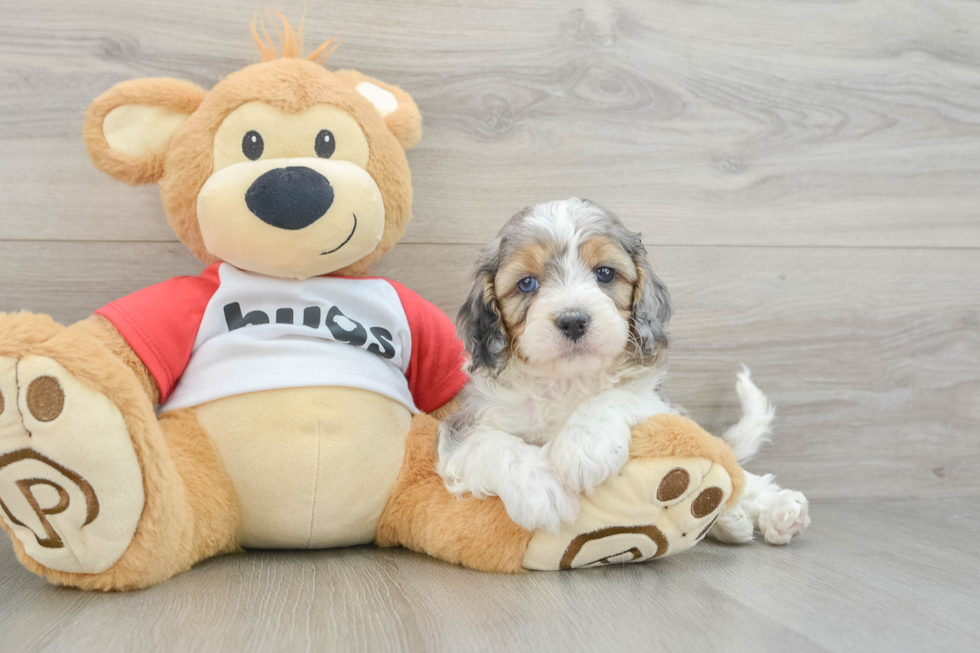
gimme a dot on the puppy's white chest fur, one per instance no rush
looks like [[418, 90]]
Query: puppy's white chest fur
[[565, 329], [535, 408]]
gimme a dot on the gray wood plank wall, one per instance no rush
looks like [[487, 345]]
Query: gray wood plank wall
[[806, 175]]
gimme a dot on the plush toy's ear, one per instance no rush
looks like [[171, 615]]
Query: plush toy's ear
[[397, 107], [128, 128]]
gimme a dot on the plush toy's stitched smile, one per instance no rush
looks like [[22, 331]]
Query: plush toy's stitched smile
[[346, 240], [293, 217], [291, 193]]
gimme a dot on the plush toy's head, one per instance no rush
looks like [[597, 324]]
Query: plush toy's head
[[283, 168]]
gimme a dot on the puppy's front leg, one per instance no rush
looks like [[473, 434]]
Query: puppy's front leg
[[595, 441], [494, 463]]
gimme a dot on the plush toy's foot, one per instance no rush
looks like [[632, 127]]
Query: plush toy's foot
[[71, 489], [653, 507], [94, 490], [677, 481], [663, 501]]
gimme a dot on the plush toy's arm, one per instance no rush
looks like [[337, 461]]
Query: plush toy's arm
[[102, 331], [443, 411]]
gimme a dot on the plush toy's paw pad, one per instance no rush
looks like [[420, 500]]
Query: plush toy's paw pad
[[653, 507], [71, 490], [788, 516]]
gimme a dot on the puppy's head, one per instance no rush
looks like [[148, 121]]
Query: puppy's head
[[566, 288]]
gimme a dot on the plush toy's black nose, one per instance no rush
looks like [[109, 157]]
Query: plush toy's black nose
[[289, 198], [573, 326]]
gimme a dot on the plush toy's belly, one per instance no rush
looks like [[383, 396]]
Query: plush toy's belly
[[313, 467]]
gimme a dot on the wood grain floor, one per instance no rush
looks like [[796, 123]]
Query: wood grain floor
[[861, 580], [807, 178]]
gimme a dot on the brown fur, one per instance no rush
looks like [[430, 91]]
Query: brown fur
[[530, 260], [421, 515], [406, 123], [183, 521], [290, 42], [209, 492], [25, 330], [160, 92], [601, 251], [191, 511], [290, 84], [673, 435], [102, 330], [445, 410]]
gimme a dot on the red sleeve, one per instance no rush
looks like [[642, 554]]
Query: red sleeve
[[435, 370], [161, 322]]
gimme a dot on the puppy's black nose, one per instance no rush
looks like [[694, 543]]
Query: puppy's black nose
[[289, 198], [573, 326]]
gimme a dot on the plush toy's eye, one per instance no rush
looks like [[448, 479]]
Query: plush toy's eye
[[604, 275], [325, 144], [527, 284], [252, 145]]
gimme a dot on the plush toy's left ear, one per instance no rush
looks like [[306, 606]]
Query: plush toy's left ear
[[397, 107], [128, 128]]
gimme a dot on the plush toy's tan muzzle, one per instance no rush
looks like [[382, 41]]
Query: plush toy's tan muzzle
[[291, 218]]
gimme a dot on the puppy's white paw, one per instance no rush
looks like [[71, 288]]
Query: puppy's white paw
[[535, 498], [585, 456], [733, 527], [786, 517]]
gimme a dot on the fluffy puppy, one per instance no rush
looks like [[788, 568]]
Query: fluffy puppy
[[565, 327]]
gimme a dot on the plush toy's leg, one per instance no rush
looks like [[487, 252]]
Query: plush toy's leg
[[677, 481], [423, 516], [94, 490]]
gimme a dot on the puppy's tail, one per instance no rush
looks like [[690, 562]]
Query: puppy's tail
[[755, 427]]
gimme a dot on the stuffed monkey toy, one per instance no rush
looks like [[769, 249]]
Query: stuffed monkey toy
[[281, 399]]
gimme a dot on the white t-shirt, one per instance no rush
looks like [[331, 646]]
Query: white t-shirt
[[230, 332]]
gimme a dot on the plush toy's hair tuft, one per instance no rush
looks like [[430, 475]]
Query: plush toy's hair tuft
[[290, 41]]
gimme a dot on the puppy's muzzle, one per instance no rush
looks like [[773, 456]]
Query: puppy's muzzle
[[573, 325], [290, 198]]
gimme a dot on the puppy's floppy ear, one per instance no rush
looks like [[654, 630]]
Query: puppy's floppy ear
[[397, 108], [479, 323], [128, 128], [651, 302]]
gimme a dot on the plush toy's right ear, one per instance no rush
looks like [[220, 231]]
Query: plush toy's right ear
[[397, 108], [128, 128]]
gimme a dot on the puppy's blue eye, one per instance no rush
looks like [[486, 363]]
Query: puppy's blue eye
[[604, 275], [527, 284]]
